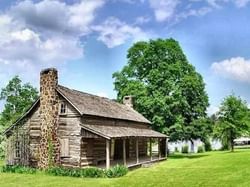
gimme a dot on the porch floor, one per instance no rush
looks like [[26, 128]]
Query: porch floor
[[131, 162]]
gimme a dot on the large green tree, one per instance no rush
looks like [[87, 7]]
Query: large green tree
[[18, 98], [166, 87], [233, 120]]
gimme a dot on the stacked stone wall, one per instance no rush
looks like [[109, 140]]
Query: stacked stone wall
[[49, 148]]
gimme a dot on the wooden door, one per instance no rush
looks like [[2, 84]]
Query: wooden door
[[118, 149], [118, 152]]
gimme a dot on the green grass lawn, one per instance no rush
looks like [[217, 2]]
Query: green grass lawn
[[207, 169]]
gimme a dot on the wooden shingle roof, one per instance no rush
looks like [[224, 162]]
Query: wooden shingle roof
[[118, 131], [89, 104]]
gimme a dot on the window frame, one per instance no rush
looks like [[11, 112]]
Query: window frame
[[65, 108], [17, 149]]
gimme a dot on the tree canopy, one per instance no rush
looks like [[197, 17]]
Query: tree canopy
[[18, 98], [233, 120], [166, 87]]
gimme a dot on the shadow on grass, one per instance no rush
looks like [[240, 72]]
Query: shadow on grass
[[189, 156]]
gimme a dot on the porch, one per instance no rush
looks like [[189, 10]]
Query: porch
[[132, 163], [132, 148]]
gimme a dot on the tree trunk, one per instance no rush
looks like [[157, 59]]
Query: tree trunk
[[231, 141], [232, 145], [192, 146]]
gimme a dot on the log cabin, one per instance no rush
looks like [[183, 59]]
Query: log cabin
[[75, 129]]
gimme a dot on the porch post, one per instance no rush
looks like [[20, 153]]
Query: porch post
[[124, 152], [150, 149], [107, 154], [137, 150], [166, 148], [159, 148], [112, 149]]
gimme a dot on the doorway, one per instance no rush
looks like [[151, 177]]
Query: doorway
[[118, 152]]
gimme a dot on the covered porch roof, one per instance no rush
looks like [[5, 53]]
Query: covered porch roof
[[117, 131]]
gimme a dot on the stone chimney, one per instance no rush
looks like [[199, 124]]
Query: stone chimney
[[49, 149], [128, 101]]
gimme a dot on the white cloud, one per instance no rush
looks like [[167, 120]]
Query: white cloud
[[194, 12], [218, 3], [114, 32], [164, 10], [141, 20], [215, 3], [56, 16], [212, 3], [236, 68], [25, 35], [212, 110], [42, 34], [241, 3], [82, 14], [129, 1], [238, 3], [168, 10]]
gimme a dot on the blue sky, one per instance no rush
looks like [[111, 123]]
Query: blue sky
[[87, 40]]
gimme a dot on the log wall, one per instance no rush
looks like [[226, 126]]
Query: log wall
[[27, 135], [35, 136], [93, 150], [70, 129], [84, 148]]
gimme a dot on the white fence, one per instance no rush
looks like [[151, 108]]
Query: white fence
[[173, 146]]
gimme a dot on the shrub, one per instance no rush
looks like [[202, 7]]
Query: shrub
[[225, 144], [18, 169], [208, 146], [200, 149], [62, 171], [184, 149], [92, 172], [116, 171], [176, 150]]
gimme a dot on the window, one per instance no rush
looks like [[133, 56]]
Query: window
[[64, 147], [63, 108], [17, 149]]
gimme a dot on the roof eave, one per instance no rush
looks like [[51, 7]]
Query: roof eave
[[67, 99], [21, 118], [114, 136], [94, 132]]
